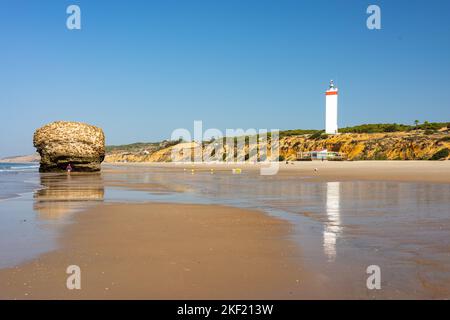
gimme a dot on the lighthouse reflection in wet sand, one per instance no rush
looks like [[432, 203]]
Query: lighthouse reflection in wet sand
[[332, 227]]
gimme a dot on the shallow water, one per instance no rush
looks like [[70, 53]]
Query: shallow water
[[17, 179], [341, 227]]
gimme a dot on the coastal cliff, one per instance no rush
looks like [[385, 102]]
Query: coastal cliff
[[372, 146], [60, 143], [83, 145], [410, 145]]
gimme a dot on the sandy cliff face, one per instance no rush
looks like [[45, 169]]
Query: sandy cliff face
[[156, 155], [413, 145], [61, 142], [374, 146]]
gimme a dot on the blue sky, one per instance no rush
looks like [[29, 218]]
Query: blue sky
[[140, 69]]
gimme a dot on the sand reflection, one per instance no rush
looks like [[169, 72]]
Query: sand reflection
[[332, 227], [62, 193]]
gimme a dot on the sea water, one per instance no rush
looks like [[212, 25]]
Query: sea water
[[17, 179]]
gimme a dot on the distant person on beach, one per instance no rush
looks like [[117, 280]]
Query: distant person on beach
[[69, 168]]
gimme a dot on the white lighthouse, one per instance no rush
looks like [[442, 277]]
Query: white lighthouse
[[331, 98]]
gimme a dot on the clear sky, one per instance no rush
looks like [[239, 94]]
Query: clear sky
[[140, 69]]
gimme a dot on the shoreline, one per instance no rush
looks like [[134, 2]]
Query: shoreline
[[367, 170]]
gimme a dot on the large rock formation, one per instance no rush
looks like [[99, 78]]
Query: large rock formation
[[60, 143]]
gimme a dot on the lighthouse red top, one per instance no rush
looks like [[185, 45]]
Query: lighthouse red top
[[332, 90]]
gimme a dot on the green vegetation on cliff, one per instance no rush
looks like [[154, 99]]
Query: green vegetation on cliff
[[141, 146], [441, 154], [393, 127]]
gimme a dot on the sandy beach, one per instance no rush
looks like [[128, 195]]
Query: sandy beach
[[165, 251], [214, 248], [403, 171]]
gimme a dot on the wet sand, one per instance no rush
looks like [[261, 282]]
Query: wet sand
[[303, 233], [166, 251]]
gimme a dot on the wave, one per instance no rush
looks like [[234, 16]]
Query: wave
[[17, 180], [14, 167]]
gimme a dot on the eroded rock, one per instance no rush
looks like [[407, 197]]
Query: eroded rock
[[60, 143]]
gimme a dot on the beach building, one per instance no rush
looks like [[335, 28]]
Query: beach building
[[331, 112], [320, 155]]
